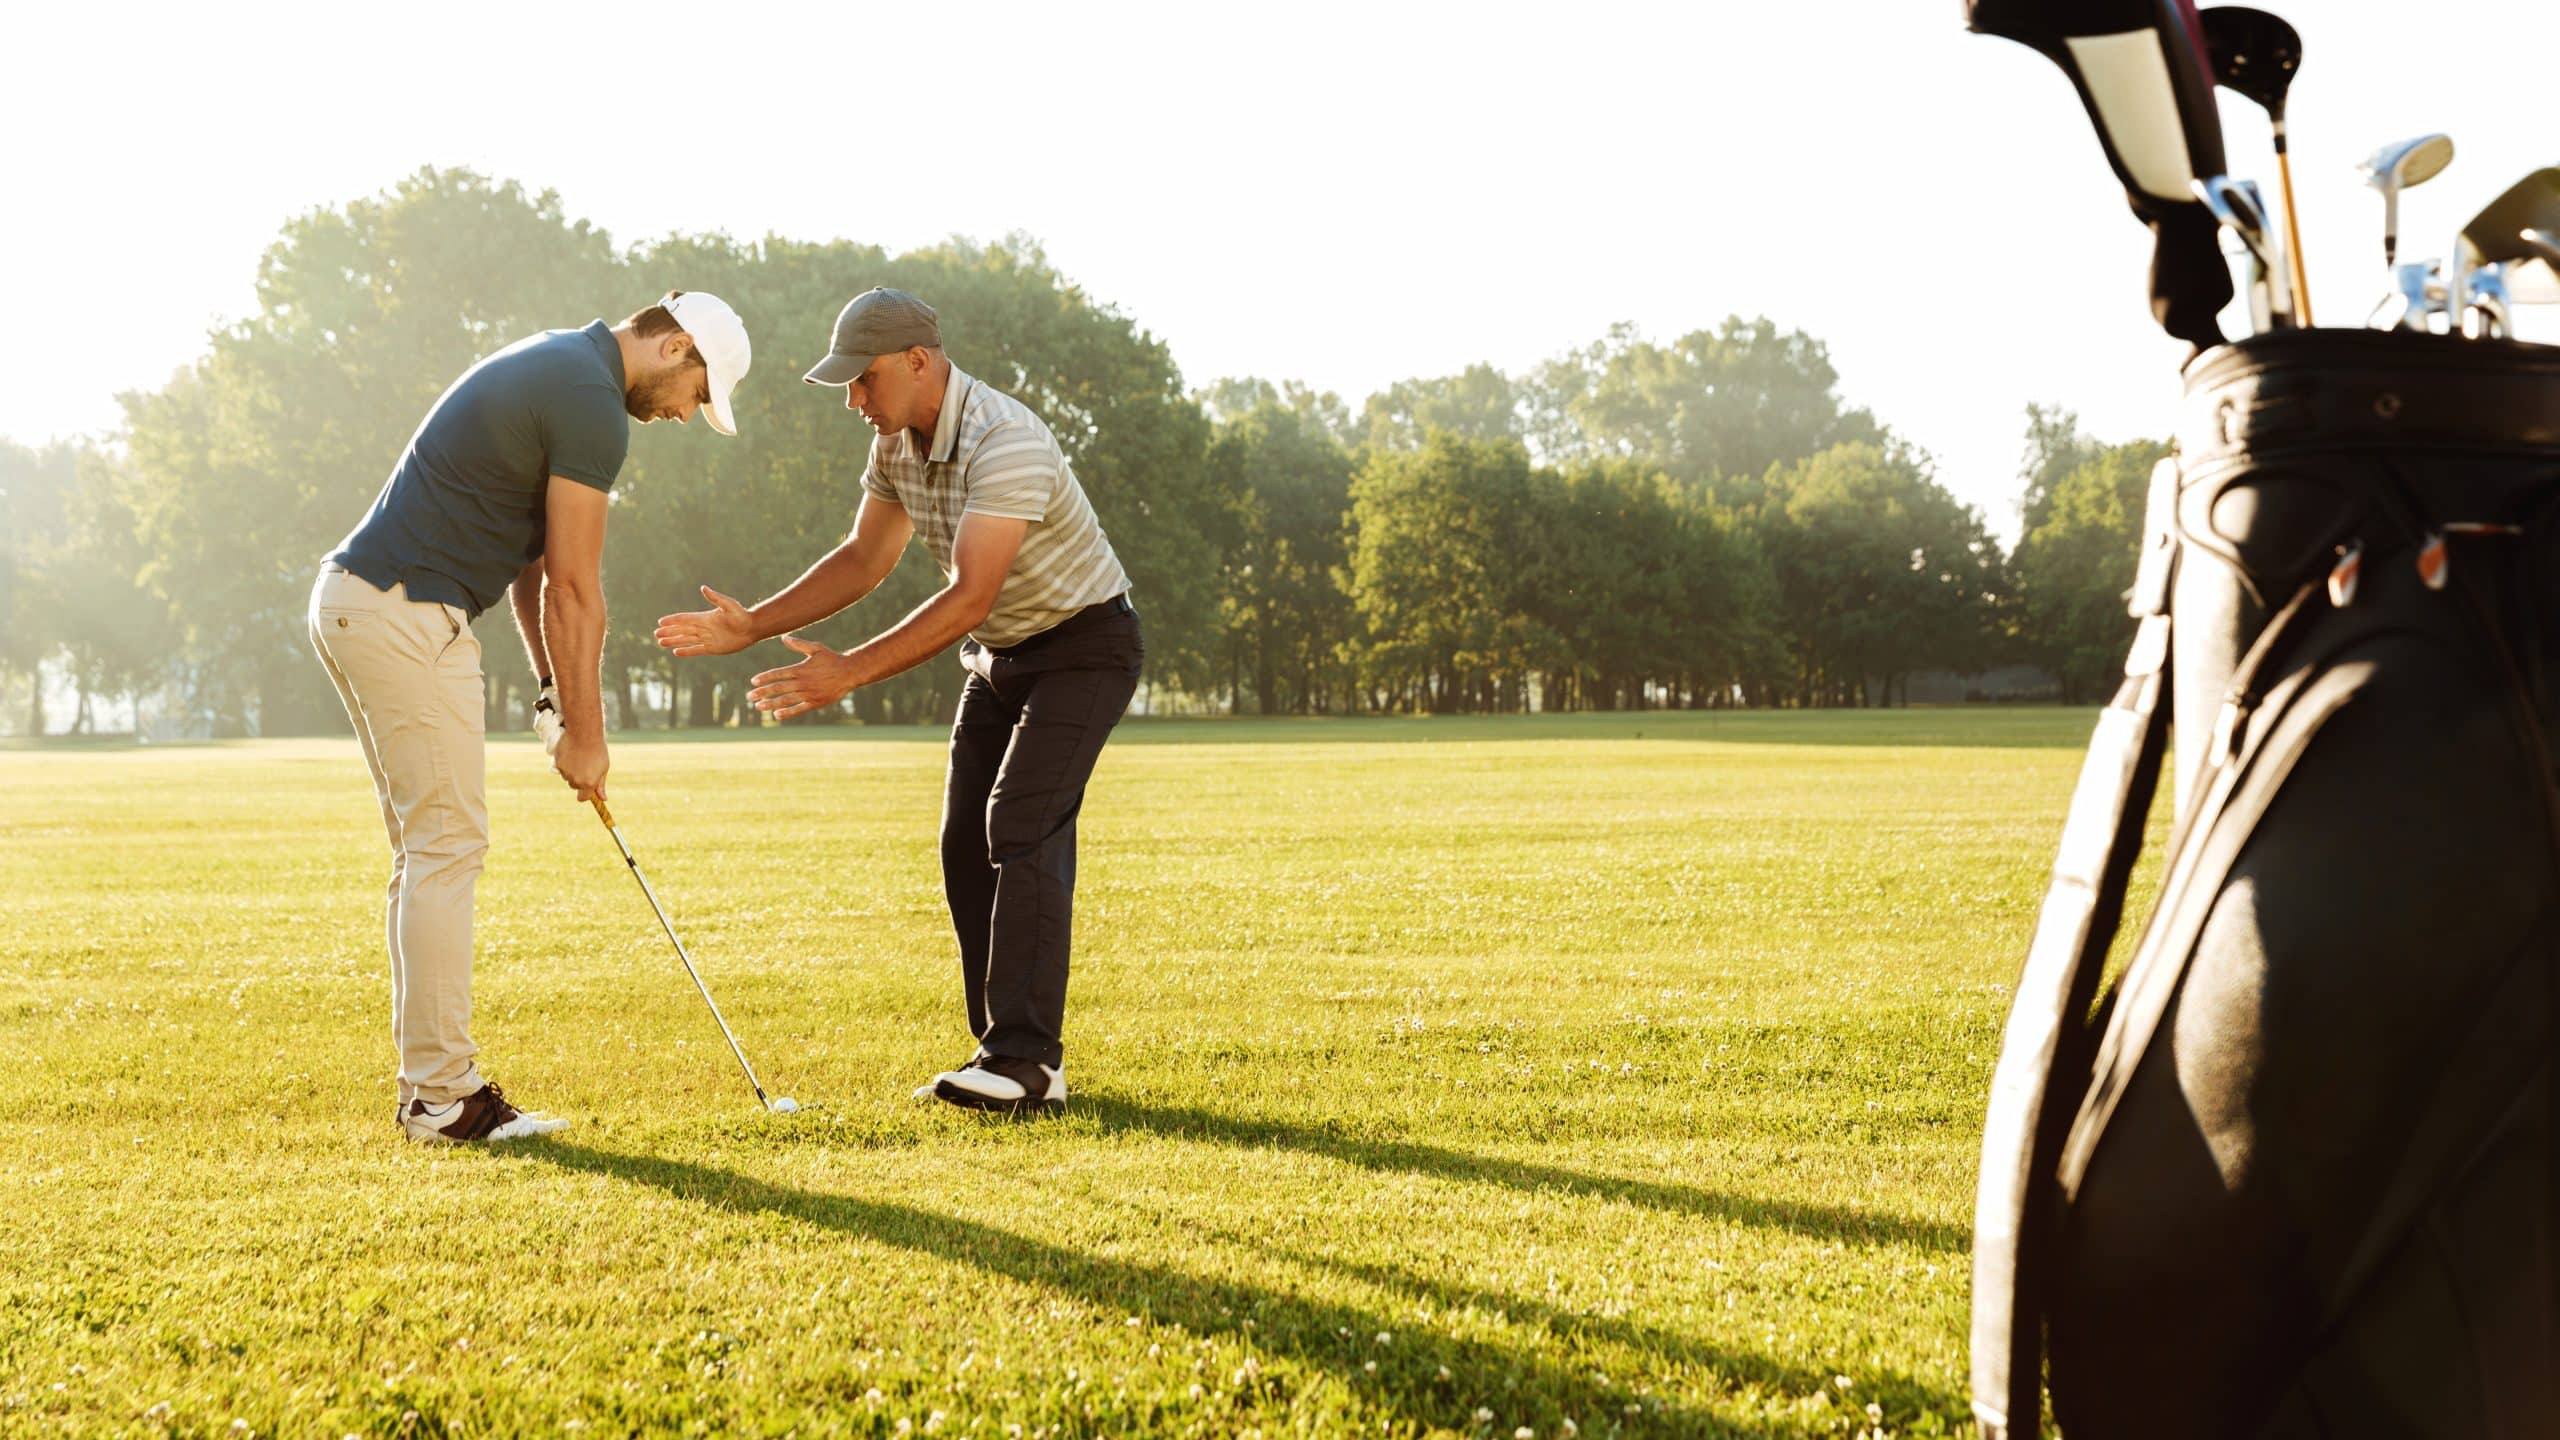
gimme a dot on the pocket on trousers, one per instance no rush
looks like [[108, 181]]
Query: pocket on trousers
[[334, 618]]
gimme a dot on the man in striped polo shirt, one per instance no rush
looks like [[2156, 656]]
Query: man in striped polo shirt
[[1041, 608]]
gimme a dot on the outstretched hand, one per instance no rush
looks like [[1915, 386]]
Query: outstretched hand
[[822, 678], [724, 629]]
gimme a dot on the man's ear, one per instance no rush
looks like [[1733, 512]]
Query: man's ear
[[919, 359], [675, 347]]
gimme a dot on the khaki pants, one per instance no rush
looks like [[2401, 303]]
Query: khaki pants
[[409, 672]]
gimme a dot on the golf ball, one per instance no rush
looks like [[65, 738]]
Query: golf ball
[[784, 1105]]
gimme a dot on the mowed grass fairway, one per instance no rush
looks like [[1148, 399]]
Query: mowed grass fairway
[[1578, 1075]]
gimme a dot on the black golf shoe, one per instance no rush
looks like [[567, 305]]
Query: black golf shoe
[[1004, 1084]]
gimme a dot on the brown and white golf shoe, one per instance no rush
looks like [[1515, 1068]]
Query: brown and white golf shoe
[[484, 1114]]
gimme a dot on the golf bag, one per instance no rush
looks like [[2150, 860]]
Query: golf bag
[[2294, 1175]]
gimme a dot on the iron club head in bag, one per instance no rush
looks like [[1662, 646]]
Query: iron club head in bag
[[2237, 206], [2255, 55], [2496, 234]]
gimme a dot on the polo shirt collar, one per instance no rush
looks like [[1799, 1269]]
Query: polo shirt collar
[[946, 428], [601, 336]]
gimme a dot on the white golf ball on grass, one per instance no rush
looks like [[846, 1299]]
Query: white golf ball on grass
[[784, 1105]]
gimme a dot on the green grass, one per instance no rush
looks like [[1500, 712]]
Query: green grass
[[1596, 1075]]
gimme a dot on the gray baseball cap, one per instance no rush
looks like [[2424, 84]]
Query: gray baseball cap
[[877, 322]]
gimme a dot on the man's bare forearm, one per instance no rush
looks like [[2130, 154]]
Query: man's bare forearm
[[928, 630], [526, 597], [573, 638], [837, 580]]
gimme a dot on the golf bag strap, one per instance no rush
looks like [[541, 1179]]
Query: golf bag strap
[[2036, 1085]]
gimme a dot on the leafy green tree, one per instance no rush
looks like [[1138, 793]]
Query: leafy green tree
[[1721, 405], [38, 505], [1879, 572], [1234, 398], [1477, 403], [2075, 564], [1437, 577], [1289, 482]]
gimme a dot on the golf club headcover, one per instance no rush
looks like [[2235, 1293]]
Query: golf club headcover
[[2139, 67], [546, 718]]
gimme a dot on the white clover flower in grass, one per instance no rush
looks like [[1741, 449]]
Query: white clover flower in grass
[[1483, 1416], [1524, 1433], [1843, 1381], [1368, 1367]]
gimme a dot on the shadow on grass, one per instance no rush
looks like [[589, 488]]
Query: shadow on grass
[[1325, 1336], [1822, 1222], [1905, 1399]]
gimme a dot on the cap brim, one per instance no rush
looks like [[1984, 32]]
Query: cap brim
[[839, 369], [723, 419]]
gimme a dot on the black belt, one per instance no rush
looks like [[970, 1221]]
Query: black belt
[[1084, 619]]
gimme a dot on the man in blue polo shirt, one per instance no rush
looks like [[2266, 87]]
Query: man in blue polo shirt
[[501, 492]]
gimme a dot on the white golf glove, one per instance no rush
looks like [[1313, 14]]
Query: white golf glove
[[546, 719]]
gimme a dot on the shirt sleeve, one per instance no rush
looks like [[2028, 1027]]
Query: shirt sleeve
[[1014, 474], [873, 481], [587, 436]]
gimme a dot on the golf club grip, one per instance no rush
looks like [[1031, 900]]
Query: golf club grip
[[602, 813]]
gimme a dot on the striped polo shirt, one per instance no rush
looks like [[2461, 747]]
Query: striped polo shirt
[[992, 456]]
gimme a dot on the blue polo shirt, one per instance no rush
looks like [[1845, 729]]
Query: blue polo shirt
[[462, 513]]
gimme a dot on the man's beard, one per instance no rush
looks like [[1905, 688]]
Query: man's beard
[[661, 396]]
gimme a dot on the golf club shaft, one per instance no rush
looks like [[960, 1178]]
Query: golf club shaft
[[628, 859], [2293, 236]]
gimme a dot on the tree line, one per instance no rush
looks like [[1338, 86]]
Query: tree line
[[1700, 522]]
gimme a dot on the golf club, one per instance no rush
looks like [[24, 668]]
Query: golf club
[[2496, 234], [781, 1105], [2487, 316], [2139, 68], [2396, 167], [2255, 55], [2417, 296], [2238, 207]]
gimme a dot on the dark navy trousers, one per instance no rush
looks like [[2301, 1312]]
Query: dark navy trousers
[[1033, 718]]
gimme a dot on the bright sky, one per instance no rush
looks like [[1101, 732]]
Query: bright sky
[[1343, 194]]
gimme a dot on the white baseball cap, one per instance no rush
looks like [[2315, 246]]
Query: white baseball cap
[[721, 338]]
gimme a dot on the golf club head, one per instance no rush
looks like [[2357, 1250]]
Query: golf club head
[[2536, 281], [2139, 68], [2496, 234], [2237, 206], [2487, 317], [2254, 54], [2404, 163], [2397, 166], [2416, 298], [2532, 203]]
